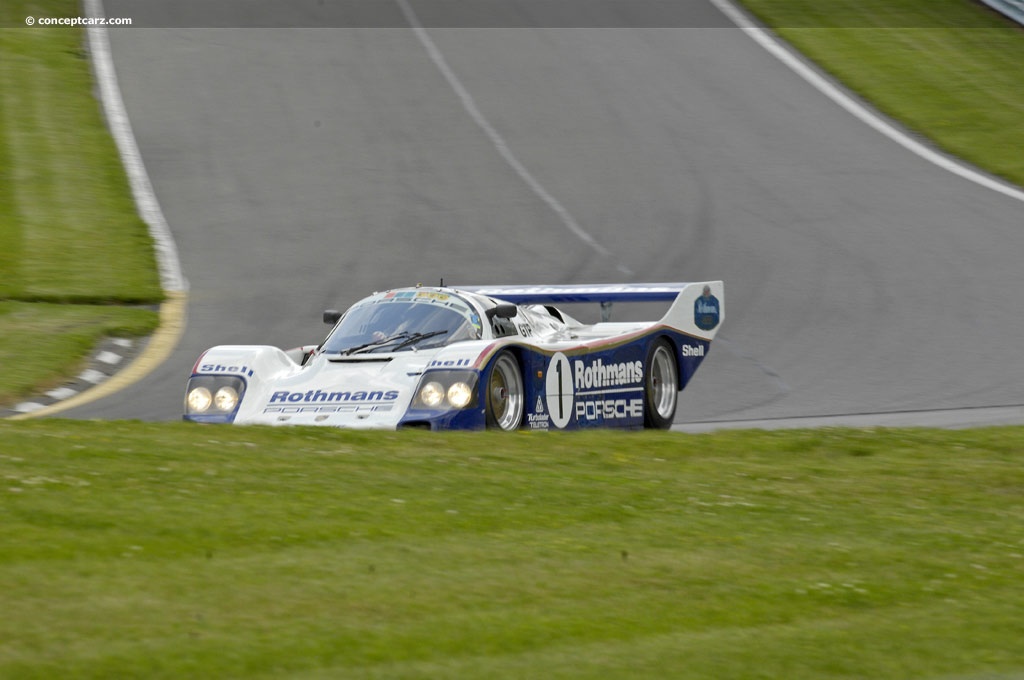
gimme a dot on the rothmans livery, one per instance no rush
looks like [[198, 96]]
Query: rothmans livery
[[471, 357]]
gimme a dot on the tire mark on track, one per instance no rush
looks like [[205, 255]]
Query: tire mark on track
[[499, 143]]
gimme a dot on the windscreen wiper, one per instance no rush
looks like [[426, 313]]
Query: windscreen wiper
[[416, 337], [375, 343], [406, 338]]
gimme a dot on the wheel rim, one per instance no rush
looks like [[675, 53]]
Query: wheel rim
[[664, 390], [506, 393]]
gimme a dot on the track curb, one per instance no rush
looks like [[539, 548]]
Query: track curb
[[78, 392]]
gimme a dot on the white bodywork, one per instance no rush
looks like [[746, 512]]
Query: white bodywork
[[308, 386]]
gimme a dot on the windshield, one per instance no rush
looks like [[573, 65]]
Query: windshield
[[404, 320]]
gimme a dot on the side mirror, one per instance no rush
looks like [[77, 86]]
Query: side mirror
[[331, 316], [503, 311]]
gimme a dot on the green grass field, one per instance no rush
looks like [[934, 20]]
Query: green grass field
[[75, 258], [132, 550], [38, 338], [175, 550], [949, 70]]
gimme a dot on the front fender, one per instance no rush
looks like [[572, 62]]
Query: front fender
[[243, 368]]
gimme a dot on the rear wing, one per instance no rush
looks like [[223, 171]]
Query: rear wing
[[697, 307]]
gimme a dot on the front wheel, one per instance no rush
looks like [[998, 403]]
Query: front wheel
[[661, 386], [505, 399]]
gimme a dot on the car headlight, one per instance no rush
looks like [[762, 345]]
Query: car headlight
[[432, 394], [459, 395], [213, 396], [226, 399], [447, 390], [198, 399]]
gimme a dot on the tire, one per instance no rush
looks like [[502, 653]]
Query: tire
[[505, 398], [661, 385]]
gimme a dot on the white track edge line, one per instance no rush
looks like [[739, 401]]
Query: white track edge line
[[776, 48], [171, 276]]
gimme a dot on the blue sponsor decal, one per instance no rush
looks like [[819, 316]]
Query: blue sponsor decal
[[450, 363], [219, 368], [706, 310], [321, 397]]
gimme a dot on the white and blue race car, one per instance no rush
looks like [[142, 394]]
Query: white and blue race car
[[472, 357]]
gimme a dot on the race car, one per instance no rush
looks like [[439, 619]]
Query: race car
[[471, 357]]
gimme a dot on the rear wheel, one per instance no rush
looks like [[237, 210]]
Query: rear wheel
[[661, 386], [505, 399]]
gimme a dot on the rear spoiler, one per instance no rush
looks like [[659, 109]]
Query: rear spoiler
[[598, 292], [683, 296]]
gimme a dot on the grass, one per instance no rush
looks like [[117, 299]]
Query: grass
[[174, 550], [171, 550], [947, 69], [69, 228], [69, 233], [38, 340]]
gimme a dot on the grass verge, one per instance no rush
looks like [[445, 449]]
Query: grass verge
[[947, 69], [174, 550], [69, 232], [39, 340], [69, 227]]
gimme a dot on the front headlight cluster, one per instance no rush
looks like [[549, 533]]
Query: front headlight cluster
[[213, 395], [446, 389]]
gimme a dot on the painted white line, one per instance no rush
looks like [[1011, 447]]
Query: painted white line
[[123, 342], [617, 390], [778, 50], [61, 393], [92, 376], [171, 277], [28, 407], [497, 140], [109, 358]]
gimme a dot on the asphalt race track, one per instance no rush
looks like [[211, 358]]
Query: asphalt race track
[[300, 168]]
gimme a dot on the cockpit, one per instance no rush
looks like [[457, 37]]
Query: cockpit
[[403, 320]]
